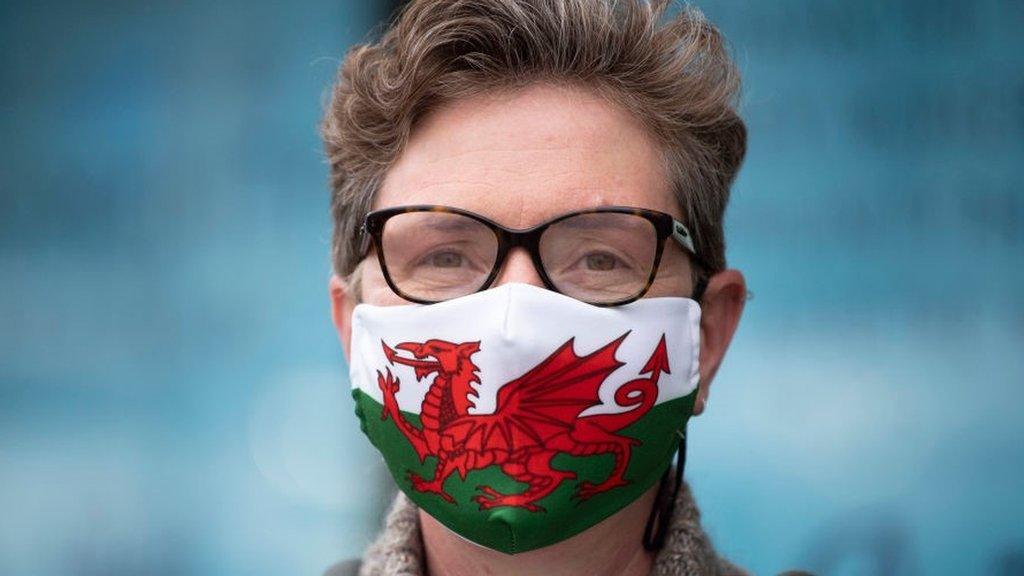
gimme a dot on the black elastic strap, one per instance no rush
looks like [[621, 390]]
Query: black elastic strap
[[665, 503], [700, 287]]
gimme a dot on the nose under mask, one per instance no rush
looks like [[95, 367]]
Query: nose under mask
[[519, 417]]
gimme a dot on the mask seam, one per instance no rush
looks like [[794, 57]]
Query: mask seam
[[505, 320]]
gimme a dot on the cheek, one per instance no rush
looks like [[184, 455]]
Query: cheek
[[376, 290], [673, 277]]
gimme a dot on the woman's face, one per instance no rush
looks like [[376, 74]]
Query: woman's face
[[522, 158]]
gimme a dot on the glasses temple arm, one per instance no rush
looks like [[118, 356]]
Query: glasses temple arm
[[681, 235]]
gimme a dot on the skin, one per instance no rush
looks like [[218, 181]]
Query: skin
[[521, 158]]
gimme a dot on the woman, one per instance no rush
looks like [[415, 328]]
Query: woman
[[512, 182]]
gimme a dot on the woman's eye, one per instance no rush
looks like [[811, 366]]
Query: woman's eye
[[445, 259], [601, 261]]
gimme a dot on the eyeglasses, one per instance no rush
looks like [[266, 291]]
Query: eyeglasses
[[606, 256]]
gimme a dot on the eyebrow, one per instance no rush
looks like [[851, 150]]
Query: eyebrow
[[442, 223], [583, 222]]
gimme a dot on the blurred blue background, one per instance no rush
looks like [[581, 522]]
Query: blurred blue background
[[172, 393]]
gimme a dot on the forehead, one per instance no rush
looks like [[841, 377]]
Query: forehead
[[525, 156]]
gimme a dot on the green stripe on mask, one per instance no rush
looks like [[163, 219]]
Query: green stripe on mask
[[511, 529]]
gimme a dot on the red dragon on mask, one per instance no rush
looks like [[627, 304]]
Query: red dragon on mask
[[537, 417]]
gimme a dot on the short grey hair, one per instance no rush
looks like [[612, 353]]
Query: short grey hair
[[674, 76]]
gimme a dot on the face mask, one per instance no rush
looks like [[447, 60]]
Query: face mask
[[518, 417]]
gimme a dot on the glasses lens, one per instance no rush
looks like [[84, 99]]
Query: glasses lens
[[601, 257], [435, 256]]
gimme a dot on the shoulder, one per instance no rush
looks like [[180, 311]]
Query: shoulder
[[344, 568]]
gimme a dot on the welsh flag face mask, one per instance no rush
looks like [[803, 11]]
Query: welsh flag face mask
[[519, 417]]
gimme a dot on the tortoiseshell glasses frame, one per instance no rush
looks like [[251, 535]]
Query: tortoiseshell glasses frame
[[664, 225]]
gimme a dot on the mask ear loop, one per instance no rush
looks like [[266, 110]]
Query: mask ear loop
[[699, 288], [665, 503]]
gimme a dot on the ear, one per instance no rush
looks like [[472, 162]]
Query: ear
[[342, 303], [721, 309]]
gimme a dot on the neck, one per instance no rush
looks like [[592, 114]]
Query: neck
[[600, 551]]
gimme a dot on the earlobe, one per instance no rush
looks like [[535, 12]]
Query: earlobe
[[342, 304], [721, 308]]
